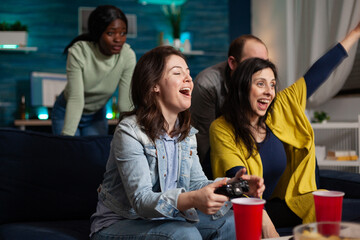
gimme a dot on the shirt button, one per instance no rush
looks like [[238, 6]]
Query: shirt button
[[163, 157]]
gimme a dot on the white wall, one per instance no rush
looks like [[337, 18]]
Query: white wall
[[340, 109]]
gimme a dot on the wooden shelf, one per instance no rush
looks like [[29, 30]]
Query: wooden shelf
[[19, 49], [325, 162], [31, 122], [194, 53], [22, 124], [333, 125], [186, 53]]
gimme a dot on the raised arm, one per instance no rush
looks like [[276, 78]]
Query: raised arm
[[352, 37], [324, 66]]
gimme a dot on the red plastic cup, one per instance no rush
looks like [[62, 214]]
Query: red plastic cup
[[248, 217], [328, 207]]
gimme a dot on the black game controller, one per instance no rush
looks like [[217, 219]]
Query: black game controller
[[233, 190]]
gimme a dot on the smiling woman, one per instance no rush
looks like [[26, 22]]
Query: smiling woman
[[268, 133], [162, 91], [174, 90], [262, 92], [98, 62], [154, 186]]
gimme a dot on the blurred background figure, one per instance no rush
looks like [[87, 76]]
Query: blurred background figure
[[210, 89]]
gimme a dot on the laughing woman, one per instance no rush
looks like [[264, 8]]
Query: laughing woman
[[98, 62], [154, 187], [268, 133]]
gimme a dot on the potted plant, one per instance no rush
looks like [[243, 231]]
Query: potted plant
[[173, 13], [320, 117], [13, 34]]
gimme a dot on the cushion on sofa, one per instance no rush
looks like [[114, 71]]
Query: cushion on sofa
[[58, 230], [45, 177], [341, 181]]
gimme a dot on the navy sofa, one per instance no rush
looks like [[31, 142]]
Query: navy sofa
[[48, 185]]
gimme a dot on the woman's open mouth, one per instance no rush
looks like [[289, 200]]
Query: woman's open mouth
[[116, 48], [185, 91], [263, 104]]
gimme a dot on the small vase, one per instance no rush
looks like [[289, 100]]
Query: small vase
[[166, 43], [187, 46], [177, 43]]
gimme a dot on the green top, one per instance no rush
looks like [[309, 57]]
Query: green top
[[92, 78]]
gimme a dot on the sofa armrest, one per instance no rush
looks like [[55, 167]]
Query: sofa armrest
[[341, 181]]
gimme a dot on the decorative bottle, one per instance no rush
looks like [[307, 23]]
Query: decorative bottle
[[114, 108], [22, 109]]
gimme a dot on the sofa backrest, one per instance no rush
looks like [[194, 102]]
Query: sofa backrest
[[45, 177]]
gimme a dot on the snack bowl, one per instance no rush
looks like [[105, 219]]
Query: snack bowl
[[327, 231]]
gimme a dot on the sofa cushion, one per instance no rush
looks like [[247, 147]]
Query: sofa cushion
[[351, 210], [341, 181], [45, 177], [59, 230]]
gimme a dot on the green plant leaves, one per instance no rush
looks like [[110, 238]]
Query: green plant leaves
[[173, 13], [17, 26], [320, 116]]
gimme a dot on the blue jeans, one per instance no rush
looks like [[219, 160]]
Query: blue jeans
[[206, 228], [90, 124]]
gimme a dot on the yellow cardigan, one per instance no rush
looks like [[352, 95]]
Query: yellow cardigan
[[289, 123]]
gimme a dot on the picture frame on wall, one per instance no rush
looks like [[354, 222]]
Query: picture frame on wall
[[84, 13]]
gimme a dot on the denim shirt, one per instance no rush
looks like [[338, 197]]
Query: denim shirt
[[172, 161], [135, 175]]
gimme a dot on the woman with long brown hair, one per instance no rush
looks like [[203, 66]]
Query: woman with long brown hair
[[154, 185]]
